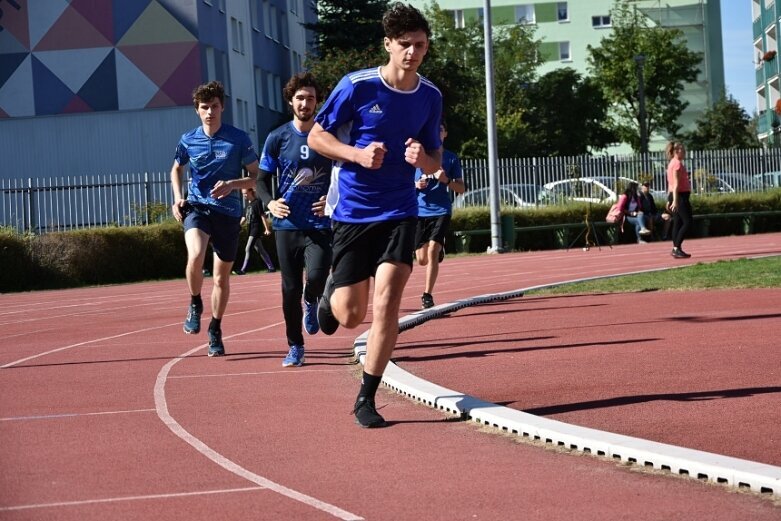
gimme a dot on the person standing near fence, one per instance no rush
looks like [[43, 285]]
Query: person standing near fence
[[678, 192], [254, 216], [378, 125], [215, 153], [434, 211], [302, 232]]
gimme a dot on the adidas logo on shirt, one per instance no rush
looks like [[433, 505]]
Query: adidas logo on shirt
[[375, 109]]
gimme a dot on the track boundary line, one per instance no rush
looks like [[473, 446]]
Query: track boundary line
[[126, 498], [71, 415], [701, 465], [161, 406]]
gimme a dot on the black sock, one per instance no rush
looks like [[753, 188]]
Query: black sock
[[214, 325], [196, 300], [369, 385]]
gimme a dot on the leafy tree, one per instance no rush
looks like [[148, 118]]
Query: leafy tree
[[725, 125], [667, 66], [567, 115], [456, 64], [346, 25]]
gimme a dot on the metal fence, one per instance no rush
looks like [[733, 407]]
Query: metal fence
[[40, 205], [711, 171], [48, 204]]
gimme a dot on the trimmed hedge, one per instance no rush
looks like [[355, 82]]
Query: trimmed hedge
[[479, 219], [97, 256], [132, 254]]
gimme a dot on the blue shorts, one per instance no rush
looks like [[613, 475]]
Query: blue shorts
[[223, 230]]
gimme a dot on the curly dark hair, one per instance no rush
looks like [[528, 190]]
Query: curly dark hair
[[299, 81], [207, 92], [400, 19]]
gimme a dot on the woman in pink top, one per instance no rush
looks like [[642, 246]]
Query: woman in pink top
[[678, 191]]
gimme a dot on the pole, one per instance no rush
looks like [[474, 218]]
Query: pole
[[493, 185], [641, 116]]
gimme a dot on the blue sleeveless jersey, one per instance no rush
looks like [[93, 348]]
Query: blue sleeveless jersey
[[434, 200], [212, 159], [363, 109], [303, 177]]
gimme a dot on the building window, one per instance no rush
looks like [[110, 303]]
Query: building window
[[562, 13], [259, 87], [524, 14], [600, 21], [211, 67], [274, 23], [237, 35], [241, 114], [294, 6], [458, 18], [266, 18], [254, 14], [226, 77], [221, 5], [285, 33], [278, 93], [272, 104], [564, 51]]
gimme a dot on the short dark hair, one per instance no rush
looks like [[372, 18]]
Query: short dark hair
[[400, 19], [299, 81], [207, 92]]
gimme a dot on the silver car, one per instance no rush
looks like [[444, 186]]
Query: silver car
[[517, 195]]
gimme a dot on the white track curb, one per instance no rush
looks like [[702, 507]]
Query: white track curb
[[706, 466]]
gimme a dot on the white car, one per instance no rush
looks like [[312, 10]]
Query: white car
[[771, 179], [517, 195], [583, 189]]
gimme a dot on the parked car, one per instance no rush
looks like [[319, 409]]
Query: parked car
[[771, 179], [584, 189], [517, 195], [726, 183]]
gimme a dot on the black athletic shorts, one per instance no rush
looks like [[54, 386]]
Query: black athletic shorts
[[223, 230], [360, 248], [432, 229]]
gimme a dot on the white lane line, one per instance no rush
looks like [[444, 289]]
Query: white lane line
[[127, 498], [120, 335], [258, 373], [70, 415], [86, 342], [162, 411]]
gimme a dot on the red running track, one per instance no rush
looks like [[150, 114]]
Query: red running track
[[110, 412]]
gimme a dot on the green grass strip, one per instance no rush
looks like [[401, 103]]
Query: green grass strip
[[727, 274]]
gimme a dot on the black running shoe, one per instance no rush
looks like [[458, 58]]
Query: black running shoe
[[366, 413], [216, 347], [325, 318], [427, 301], [679, 254]]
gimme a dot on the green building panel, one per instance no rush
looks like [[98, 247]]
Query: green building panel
[[549, 51], [503, 15], [545, 13]]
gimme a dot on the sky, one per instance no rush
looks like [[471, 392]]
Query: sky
[[738, 43]]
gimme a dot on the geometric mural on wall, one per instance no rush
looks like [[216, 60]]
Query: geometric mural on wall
[[65, 56]]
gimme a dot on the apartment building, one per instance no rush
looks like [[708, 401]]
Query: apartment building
[[766, 17], [105, 87], [568, 28]]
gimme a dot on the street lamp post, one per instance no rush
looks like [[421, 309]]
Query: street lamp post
[[641, 116]]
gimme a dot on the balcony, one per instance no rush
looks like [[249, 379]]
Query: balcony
[[766, 120]]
